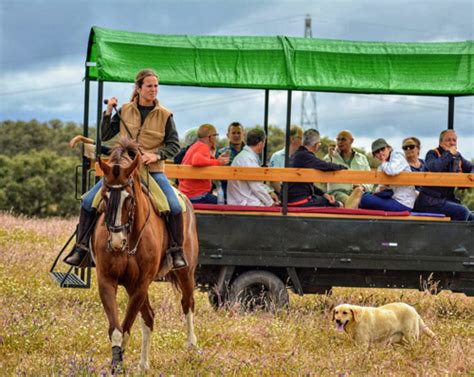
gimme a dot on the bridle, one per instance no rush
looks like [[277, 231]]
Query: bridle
[[111, 214]]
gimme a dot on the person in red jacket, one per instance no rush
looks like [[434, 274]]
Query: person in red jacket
[[200, 154]]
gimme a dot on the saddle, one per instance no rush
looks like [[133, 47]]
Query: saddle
[[154, 192]]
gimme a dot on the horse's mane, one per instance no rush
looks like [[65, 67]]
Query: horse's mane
[[124, 148]]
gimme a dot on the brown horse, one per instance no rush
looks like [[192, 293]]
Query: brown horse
[[129, 247]]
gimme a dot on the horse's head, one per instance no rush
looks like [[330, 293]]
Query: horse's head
[[118, 193]]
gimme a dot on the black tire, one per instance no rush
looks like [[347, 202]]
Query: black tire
[[258, 290]]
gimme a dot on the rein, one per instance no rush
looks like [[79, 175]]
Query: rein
[[112, 210]]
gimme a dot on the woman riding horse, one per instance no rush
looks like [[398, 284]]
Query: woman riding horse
[[153, 128]]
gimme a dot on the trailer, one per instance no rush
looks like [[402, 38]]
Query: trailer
[[252, 256]]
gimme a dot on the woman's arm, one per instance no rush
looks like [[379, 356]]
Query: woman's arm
[[171, 142]]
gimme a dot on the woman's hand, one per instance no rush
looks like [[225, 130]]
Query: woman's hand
[[112, 101], [150, 158]]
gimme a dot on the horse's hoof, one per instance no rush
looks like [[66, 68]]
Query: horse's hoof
[[117, 358], [145, 367]]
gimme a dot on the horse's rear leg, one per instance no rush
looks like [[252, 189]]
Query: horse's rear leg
[[108, 293], [186, 284], [146, 319]]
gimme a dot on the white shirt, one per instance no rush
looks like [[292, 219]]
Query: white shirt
[[248, 193], [397, 163], [278, 159]]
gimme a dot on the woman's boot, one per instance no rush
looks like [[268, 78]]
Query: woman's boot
[[84, 230], [175, 227]]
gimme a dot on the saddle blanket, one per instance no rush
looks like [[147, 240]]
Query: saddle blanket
[[157, 197]]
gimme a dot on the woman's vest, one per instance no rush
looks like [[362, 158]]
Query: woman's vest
[[151, 135]]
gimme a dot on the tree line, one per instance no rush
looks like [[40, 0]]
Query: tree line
[[38, 169]]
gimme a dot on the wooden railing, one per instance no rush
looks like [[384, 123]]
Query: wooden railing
[[311, 175]]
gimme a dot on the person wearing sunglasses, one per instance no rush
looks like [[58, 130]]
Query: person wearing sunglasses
[[411, 148], [201, 154], [390, 198]]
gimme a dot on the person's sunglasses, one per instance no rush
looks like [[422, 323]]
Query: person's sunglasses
[[214, 135], [408, 147], [378, 151]]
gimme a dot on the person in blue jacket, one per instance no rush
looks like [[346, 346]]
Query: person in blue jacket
[[444, 159]]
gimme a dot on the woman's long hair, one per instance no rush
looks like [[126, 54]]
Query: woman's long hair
[[139, 78]]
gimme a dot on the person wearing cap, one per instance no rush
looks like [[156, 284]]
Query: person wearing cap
[[200, 154], [344, 154], [306, 194], [445, 159], [411, 147], [390, 198]]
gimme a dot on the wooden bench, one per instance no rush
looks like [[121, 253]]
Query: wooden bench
[[325, 212]]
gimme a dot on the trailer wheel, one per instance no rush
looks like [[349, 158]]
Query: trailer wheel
[[258, 290]]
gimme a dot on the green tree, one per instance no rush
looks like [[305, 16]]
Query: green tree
[[38, 184]]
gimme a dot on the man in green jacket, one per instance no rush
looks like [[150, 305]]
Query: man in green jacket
[[343, 154]]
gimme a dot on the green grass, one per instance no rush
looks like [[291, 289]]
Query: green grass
[[45, 330]]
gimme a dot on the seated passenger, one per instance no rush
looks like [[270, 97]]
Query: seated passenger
[[390, 198], [306, 194], [344, 154], [278, 158], [445, 158], [200, 154], [250, 193], [189, 139], [411, 148], [235, 135]]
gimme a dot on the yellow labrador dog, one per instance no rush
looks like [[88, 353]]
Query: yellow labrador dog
[[391, 323]]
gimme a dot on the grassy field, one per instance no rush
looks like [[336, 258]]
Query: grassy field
[[45, 330]]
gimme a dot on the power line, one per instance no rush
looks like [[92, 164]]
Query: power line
[[40, 89]]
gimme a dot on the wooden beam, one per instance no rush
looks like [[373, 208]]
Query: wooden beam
[[311, 175]]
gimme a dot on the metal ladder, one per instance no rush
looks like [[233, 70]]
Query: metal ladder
[[75, 277]]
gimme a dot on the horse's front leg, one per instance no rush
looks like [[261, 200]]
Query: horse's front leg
[[137, 297], [108, 296]]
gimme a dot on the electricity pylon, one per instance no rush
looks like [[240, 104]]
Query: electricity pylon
[[309, 110]]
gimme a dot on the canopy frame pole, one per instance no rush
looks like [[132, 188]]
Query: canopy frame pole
[[265, 126], [85, 130], [284, 195], [451, 113], [100, 98]]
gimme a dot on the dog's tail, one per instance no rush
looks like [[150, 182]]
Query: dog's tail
[[425, 329]]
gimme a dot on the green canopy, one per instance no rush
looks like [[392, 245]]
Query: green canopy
[[284, 63]]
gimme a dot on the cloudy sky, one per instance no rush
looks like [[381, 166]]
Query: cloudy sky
[[43, 48]]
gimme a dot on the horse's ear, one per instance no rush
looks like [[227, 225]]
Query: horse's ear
[[103, 166], [133, 165]]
